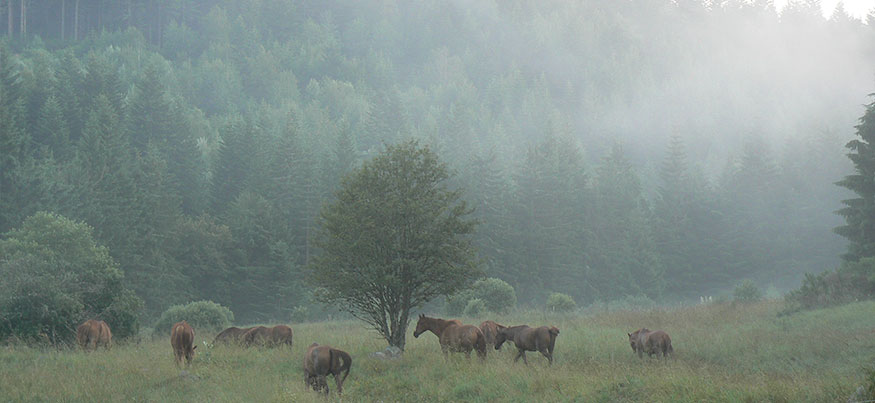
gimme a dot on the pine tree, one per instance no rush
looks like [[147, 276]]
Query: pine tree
[[623, 254], [859, 212], [51, 130], [233, 167], [14, 143], [550, 220], [155, 119]]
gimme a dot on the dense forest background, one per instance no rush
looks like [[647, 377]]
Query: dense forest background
[[667, 149]]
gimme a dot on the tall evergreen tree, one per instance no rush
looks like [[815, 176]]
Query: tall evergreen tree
[[14, 142], [155, 119], [623, 255], [551, 223], [51, 131], [232, 170], [859, 212]]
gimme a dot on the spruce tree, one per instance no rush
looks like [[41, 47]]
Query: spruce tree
[[859, 212]]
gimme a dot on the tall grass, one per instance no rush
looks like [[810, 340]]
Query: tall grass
[[723, 352]]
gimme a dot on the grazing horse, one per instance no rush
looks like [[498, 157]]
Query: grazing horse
[[644, 341], [541, 339], [258, 335], [490, 330], [281, 335], [231, 335], [182, 341], [453, 336], [92, 334], [321, 361]]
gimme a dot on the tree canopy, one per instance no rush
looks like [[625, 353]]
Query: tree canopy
[[395, 237]]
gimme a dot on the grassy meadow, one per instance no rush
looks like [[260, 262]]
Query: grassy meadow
[[723, 352]]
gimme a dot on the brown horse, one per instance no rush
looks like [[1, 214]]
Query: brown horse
[[453, 336], [490, 330], [281, 335], [231, 335], [541, 339], [257, 336], [182, 341], [321, 361], [92, 334], [644, 341]]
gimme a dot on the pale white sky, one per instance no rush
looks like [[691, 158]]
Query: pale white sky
[[857, 8]]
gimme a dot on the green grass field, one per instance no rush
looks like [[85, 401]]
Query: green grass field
[[722, 353]]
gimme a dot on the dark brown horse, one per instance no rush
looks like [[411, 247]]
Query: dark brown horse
[[257, 336], [281, 335], [644, 341], [490, 330], [540, 339], [231, 335], [453, 336], [321, 361]]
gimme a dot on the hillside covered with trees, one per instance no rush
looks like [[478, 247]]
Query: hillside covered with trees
[[660, 149]]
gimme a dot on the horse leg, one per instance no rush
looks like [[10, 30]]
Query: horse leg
[[518, 355], [339, 383], [523, 353], [547, 354]]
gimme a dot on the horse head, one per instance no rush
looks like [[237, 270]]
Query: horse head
[[500, 337], [421, 325]]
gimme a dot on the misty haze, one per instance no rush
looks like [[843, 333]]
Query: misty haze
[[341, 172]]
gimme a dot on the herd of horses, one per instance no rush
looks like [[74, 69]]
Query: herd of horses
[[323, 360]]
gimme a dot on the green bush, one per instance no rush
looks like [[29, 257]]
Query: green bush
[[54, 277], [206, 316], [747, 291], [457, 302], [559, 302], [475, 307], [852, 281], [497, 295]]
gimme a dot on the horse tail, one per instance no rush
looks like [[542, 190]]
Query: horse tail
[[345, 366], [480, 344]]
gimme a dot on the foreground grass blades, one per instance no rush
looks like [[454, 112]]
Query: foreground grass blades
[[722, 353]]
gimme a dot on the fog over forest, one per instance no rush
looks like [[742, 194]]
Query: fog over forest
[[654, 149]]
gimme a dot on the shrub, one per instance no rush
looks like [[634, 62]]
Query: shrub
[[747, 291], [54, 277], [457, 302], [207, 316], [559, 302], [475, 307], [497, 295], [851, 281]]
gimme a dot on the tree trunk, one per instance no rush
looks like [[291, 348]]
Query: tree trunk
[[11, 20], [63, 17], [22, 23], [160, 38], [398, 336], [76, 22]]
